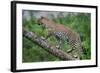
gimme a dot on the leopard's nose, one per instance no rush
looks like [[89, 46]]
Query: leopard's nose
[[38, 24]]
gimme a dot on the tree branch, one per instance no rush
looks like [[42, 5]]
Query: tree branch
[[50, 48]]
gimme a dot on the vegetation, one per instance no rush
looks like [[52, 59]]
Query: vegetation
[[79, 23]]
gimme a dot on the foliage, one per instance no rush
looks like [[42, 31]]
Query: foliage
[[79, 23]]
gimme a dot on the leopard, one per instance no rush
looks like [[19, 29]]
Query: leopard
[[62, 32]]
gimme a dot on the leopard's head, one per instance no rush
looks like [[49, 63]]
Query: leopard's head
[[42, 20]]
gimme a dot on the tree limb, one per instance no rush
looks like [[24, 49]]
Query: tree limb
[[50, 48]]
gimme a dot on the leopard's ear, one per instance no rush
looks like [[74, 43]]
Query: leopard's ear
[[42, 17]]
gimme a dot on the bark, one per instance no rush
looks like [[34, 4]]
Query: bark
[[46, 46]]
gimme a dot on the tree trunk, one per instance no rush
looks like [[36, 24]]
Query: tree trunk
[[46, 46]]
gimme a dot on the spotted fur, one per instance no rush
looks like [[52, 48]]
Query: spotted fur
[[62, 32]]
